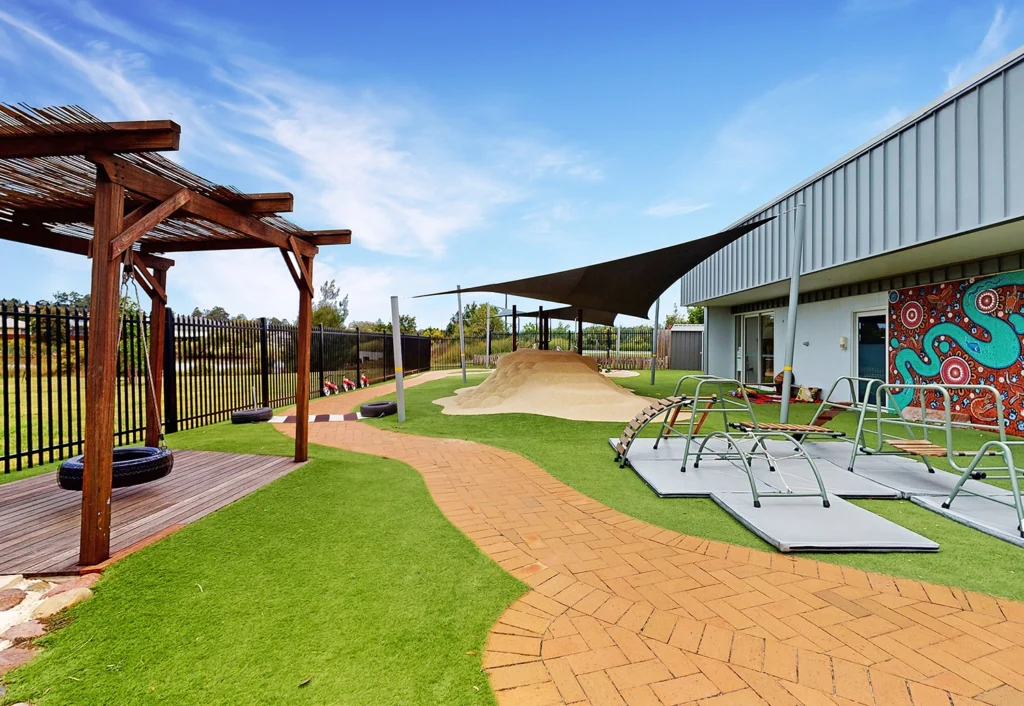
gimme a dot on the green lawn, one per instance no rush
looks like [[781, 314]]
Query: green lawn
[[578, 454], [340, 583]]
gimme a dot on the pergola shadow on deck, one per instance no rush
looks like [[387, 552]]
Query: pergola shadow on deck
[[71, 182], [41, 524]]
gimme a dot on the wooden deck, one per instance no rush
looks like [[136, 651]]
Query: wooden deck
[[39, 522]]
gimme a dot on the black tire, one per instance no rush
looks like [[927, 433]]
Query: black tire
[[249, 416], [132, 465], [378, 409]]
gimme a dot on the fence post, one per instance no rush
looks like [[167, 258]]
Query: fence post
[[608, 344], [170, 375], [264, 362], [358, 359], [320, 330]]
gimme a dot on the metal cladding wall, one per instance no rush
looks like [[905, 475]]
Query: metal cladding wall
[[954, 166]]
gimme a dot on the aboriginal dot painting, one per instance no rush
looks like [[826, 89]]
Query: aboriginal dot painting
[[962, 334]]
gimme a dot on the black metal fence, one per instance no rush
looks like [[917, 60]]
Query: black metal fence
[[211, 368]]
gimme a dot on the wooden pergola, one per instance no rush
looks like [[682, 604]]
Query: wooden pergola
[[71, 182]]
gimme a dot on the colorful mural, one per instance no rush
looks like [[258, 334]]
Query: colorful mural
[[960, 334]]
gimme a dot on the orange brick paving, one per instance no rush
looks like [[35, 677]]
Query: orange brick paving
[[622, 612]]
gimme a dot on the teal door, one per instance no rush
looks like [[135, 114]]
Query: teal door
[[870, 348]]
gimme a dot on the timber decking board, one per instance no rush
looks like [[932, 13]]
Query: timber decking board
[[39, 522]]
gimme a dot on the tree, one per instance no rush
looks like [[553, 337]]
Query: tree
[[432, 332], [695, 315], [475, 321], [406, 323], [330, 310], [675, 317], [218, 313], [72, 299]]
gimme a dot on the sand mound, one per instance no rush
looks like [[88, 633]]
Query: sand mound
[[551, 383]]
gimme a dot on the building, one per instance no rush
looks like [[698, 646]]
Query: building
[[913, 261]]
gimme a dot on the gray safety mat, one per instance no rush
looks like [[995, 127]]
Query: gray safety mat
[[805, 525], [660, 469], [667, 481], [982, 514]]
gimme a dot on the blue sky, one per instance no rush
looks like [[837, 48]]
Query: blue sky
[[472, 142]]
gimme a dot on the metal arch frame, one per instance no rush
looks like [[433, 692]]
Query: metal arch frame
[[757, 436], [975, 468]]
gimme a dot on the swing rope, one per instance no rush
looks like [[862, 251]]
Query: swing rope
[[126, 276]]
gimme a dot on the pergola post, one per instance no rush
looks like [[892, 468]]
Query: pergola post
[[305, 334], [157, 330], [101, 375]]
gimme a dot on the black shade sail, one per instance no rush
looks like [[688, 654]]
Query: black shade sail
[[569, 313], [628, 285]]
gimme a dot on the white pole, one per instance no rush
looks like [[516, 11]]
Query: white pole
[[618, 337], [462, 334], [654, 337], [794, 297], [487, 353], [396, 334]]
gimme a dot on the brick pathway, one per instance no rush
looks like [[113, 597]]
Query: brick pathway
[[622, 612]]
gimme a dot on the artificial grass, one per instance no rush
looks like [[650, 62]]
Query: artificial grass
[[28, 472], [340, 583], [578, 454]]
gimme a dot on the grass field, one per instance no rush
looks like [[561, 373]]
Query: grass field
[[578, 454], [340, 583]]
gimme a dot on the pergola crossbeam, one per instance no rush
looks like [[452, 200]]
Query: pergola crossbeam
[[253, 204], [282, 202], [154, 186], [141, 136]]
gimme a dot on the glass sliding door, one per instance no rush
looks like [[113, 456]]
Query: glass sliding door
[[754, 338], [752, 350], [768, 348], [738, 353]]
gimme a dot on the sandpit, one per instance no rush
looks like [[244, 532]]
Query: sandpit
[[550, 383]]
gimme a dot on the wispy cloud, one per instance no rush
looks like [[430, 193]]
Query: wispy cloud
[[993, 46], [388, 163], [674, 208]]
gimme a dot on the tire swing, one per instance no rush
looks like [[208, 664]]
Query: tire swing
[[133, 465]]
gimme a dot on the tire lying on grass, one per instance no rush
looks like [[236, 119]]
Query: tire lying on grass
[[249, 416], [132, 465], [378, 409]]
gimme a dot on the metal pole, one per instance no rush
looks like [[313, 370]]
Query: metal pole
[[487, 349], [794, 295], [654, 337], [579, 331], [540, 328], [462, 334], [515, 328], [396, 334]]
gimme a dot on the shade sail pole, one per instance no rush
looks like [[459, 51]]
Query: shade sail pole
[[487, 350], [396, 335], [462, 334], [794, 295], [654, 337]]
